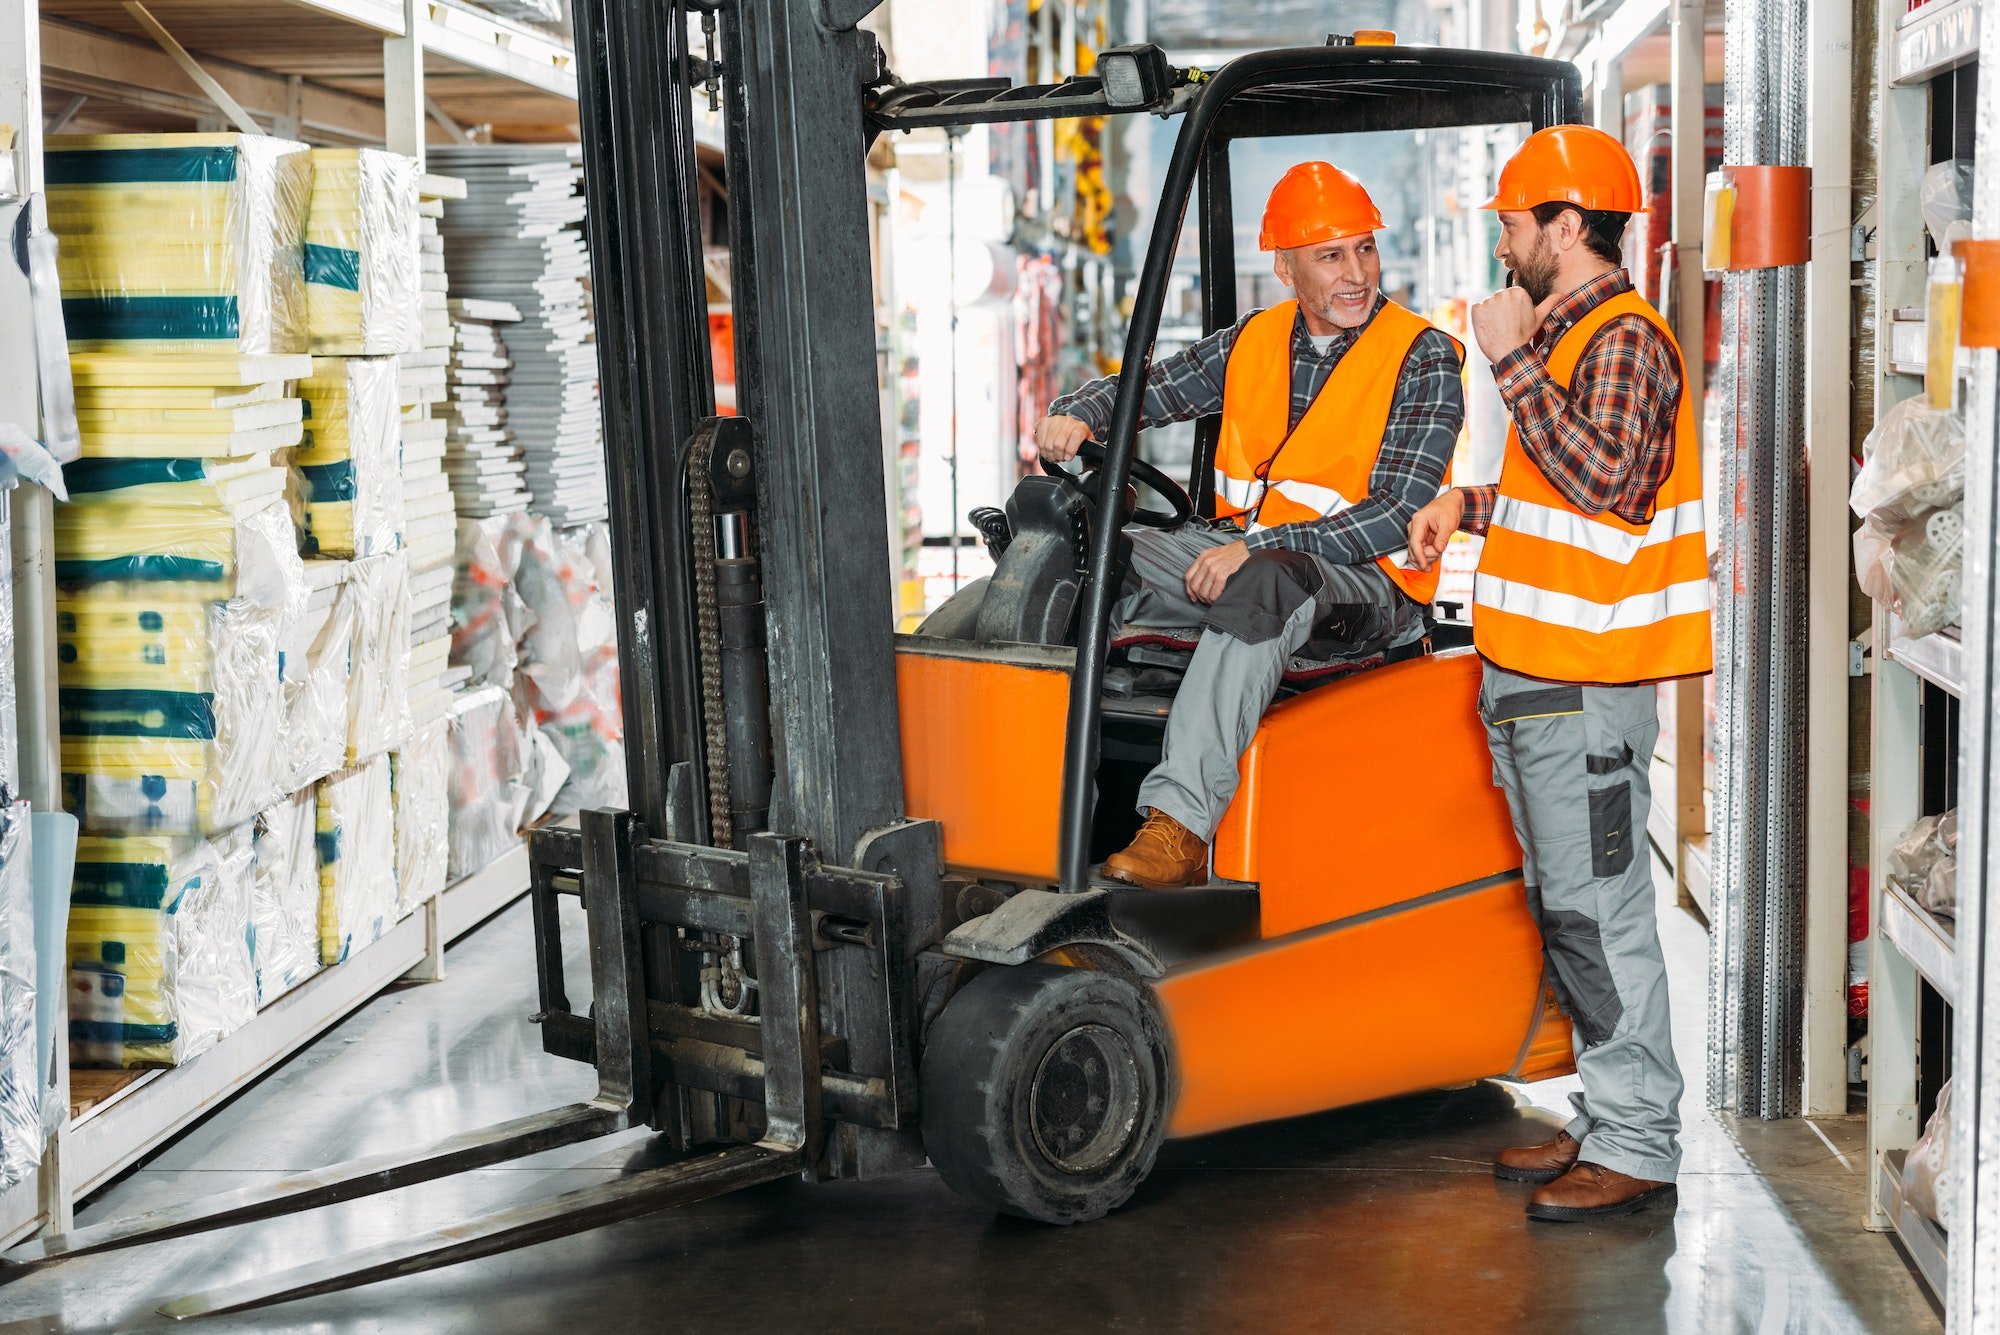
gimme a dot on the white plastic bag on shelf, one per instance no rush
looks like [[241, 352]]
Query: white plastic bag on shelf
[[1928, 841], [20, 1073], [486, 612], [488, 758], [1910, 493], [1945, 200], [1927, 1172]]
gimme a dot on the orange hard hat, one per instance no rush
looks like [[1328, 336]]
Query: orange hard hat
[[1314, 202], [1570, 164]]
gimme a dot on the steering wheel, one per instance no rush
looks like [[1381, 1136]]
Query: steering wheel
[[1180, 506]]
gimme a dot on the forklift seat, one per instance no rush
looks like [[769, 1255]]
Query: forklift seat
[[1152, 660]]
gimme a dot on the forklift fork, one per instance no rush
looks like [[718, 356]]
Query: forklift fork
[[623, 1050]]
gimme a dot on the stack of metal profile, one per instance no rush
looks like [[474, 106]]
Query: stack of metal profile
[[488, 475], [517, 238]]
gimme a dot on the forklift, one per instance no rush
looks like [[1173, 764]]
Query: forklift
[[849, 925]]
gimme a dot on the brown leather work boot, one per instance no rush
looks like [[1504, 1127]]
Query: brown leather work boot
[[1592, 1191], [1537, 1163], [1164, 855]]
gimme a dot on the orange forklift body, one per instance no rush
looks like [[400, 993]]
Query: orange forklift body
[[1395, 953]]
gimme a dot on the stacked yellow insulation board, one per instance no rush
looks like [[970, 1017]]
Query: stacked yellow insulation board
[[349, 468], [159, 947], [361, 252], [176, 566], [181, 242]]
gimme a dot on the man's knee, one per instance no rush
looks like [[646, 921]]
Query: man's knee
[[1263, 594]]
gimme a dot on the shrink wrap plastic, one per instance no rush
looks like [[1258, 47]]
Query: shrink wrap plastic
[[181, 242], [173, 717], [159, 947], [485, 607], [230, 551], [350, 468], [284, 899], [1910, 495], [313, 651], [1927, 1171], [357, 860], [420, 784], [571, 661], [1923, 864], [361, 261], [378, 684], [20, 1068], [488, 757]]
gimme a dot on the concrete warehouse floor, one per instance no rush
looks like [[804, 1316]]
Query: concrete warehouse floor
[[1383, 1218]]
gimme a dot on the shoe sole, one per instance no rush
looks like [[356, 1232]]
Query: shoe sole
[[1541, 1177], [1560, 1214], [1138, 884]]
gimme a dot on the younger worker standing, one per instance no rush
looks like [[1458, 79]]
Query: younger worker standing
[[1340, 411], [1592, 586]]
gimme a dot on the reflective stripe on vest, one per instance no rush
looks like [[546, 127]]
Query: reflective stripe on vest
[[1267, 476], [1567, 596]]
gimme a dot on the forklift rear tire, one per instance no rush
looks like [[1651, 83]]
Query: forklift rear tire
[[1045, 1091]]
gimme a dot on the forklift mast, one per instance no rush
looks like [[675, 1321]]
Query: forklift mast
[[766, 925]]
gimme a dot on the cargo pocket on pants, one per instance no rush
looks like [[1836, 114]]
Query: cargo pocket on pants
[[1576, 953], [1610, 829]]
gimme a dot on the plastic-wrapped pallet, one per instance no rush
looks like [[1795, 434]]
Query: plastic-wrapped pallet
[[420, 783], [313, 651], [487, 796], [378, 686], [173, 713], [181, 242], [357, 860], [361, 265], [284, 899], [20, 1067], [350, 467], [159, 947]]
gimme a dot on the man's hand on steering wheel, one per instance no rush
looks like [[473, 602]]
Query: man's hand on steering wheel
[[1058, 438]]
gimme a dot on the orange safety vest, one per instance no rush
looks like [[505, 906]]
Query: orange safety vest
[[1322, 467], [1567, 596]]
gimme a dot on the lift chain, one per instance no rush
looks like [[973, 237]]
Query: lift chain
[[708, 626]]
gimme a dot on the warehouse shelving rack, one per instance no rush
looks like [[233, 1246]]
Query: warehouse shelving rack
[[398, 73], [1918, 977]]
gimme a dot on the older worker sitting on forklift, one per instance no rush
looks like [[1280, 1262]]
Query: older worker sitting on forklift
[[1340, 411]]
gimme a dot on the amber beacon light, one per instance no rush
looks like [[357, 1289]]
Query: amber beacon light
[[1756, 218]]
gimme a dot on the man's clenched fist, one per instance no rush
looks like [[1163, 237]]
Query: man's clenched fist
[[1505, 321], [1059, 438]]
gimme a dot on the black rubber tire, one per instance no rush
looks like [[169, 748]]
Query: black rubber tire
[[1078, 1042]]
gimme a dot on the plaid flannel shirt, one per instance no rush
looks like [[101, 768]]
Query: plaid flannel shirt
[[1606, 443], [1417, 443]]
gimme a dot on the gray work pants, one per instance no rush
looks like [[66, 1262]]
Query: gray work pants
[[1575, 761], [1265, 614]]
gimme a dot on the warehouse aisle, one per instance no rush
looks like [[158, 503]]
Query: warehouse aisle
[[1377, 1219]]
